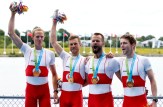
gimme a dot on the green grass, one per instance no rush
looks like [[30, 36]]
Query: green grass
[[141, 51]]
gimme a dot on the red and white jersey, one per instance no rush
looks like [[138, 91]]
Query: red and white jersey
[[78, 75], [48, 58], [106, 70], [140, 68]]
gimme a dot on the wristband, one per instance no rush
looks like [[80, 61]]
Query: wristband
[[155, 100]]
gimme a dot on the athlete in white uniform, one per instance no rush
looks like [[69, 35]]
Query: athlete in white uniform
[[37, 87], [73, 71], [134, 69], [72, 91], [100, 72], [48, 59], [38, 61]]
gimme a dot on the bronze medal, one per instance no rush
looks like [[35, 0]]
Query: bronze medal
[[36, 73], [130, 84], [70, 79], [94, 80]]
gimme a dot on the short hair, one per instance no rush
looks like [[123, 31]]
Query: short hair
[[96, 34], [36, 29], [129, 37], [74, 37]]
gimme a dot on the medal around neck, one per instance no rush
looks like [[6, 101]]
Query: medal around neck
[[130, 81], [71, 79], [36, 70], [130, 84], [36, 73], [95, 80], [72, 69]]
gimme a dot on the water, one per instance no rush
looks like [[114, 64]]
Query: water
[[13, 80]]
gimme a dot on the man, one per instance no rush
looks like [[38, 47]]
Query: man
[[73, 70], [100, 70], [134, 69], [37, 60]]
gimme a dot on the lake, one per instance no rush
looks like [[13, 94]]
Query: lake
[[13, 80]]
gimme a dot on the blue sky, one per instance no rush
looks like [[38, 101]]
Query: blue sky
[[141, 17]]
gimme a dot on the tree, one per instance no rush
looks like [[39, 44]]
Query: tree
[[60, 34], [149, 37], [2, 33], [161, 38], [46, 39], [17, 32]]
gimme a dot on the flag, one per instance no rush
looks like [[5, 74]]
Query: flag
[[29, 34], [65, 34], [115, 35]]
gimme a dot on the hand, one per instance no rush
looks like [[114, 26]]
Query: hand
[[109, 55], [13, 7], [146, 91], [59, 82], [86, 60], [59, 17], [55, 15], [153, 104], [56, 98]]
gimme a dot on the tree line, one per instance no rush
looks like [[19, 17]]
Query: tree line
[[63, 34]]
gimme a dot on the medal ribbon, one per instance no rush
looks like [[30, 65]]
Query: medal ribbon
[[72, 68], [95, 71], [37, 62], [129, 74]]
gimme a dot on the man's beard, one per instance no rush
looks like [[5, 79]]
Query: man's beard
[[96, 49]]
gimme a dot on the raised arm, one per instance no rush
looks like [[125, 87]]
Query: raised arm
[[18, 42], [53, 38]]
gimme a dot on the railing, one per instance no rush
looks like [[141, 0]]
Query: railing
[[18, 101]]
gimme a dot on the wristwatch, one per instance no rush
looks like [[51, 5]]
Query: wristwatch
[[155, 100]]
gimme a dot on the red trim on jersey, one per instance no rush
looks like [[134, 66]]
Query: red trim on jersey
[[76, 75], [103, 78], [138, 81], [29, 71]]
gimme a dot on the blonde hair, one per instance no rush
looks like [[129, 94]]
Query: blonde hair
[[74, 37], [36, 29]]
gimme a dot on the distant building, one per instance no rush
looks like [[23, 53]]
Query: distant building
[[86, 43], [155, 43]]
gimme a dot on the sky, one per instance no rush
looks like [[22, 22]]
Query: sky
[[139, 17]]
